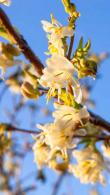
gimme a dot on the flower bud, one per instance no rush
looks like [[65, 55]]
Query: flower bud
[[28, 91]]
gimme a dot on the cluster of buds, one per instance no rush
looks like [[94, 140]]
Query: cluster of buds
[[84, 65], [54, 145]]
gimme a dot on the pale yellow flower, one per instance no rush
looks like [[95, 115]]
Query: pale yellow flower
[[5, 2], [90, 166], [67, 116], [58, 73], [47, 151], [84, 154], [56, 33], [41, 153], [57, 30], [55, 137]]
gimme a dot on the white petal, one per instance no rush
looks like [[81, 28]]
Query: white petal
[[47, 26]]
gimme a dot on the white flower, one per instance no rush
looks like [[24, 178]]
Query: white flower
[[5, 2], [84, 154], [55, 137], [67, 116], [56, 33], [58, 73], [47, 26], [56, 45], [90, 166], [41, 153], [57, 30]]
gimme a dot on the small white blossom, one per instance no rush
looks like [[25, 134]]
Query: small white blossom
[[55, 137], [41, 153], [58, 73], [90, 166], [57, 30], [67, 116], [56, 33], [47, 26]]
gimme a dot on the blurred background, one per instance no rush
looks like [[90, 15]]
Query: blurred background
[[93, 24]]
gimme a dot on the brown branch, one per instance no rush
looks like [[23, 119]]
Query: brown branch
[[99, 121], [96, 137], [101, 137], [94, 119], [16, 129], [21, 42]]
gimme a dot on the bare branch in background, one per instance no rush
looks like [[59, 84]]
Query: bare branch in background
[[21, 42], [58, 184]]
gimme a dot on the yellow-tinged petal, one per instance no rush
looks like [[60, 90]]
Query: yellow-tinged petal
[[5, 2]]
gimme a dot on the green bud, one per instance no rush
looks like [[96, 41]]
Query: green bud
[[82, 52], [87, 46], [80, 45]]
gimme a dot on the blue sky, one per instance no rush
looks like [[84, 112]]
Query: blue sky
[[93, 24]]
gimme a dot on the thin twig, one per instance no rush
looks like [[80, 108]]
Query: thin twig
[[70, 48], [87, 136], [94, 119], [21, 42], [13, 129], [96, 137], [58, 184]]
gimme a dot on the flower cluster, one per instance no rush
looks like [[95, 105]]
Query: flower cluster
[[55, 144], [56, 138]]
